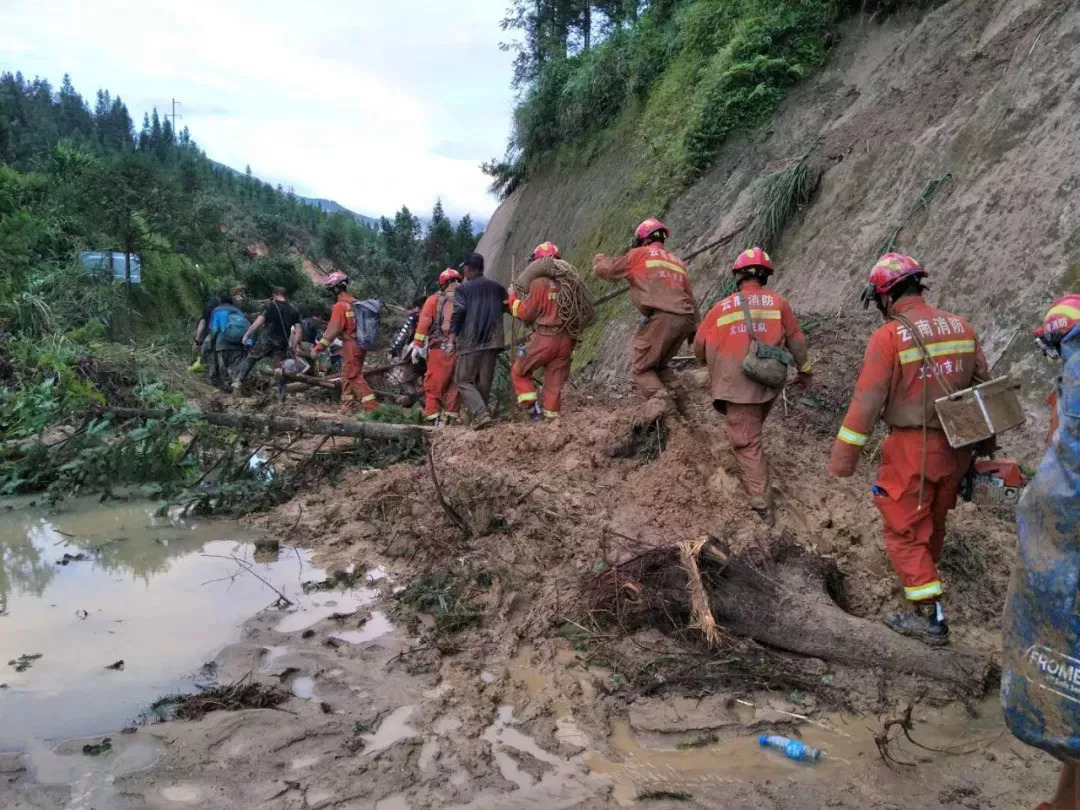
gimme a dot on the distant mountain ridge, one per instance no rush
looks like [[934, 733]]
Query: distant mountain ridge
[[331, 207]]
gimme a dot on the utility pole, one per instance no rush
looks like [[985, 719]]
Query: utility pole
[[174, 116]]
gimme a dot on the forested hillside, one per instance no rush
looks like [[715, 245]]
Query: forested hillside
[[76, 176]]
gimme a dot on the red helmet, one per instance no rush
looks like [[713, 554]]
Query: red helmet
[[336, 279], [648, 228], [1063, 317], [891, 269], [545, 250], [448, 275], [754, 257]]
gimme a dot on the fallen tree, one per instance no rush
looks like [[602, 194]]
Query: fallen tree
[[788, 606], [785, 603], [286, 424]]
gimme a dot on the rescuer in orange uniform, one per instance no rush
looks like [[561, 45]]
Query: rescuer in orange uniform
[[660, 289], [722, 342], [354, 387], [442, 404], [920, 473], [550, 347]]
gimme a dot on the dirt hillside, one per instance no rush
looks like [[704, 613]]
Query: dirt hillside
[[981, 91]]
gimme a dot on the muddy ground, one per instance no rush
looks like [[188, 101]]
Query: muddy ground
[[494, 671]]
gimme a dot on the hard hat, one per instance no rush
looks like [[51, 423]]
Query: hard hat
[[448, 275], [890, 270], [1063, 317], [335, 279], [544, 250], [754, 257], [648, 228]]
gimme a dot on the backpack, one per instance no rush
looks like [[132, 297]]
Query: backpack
[[366, 314], [236, 326]]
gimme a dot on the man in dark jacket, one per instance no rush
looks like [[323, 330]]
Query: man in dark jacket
[[476, 334]]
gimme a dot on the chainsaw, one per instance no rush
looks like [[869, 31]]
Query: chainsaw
[[993, 482]]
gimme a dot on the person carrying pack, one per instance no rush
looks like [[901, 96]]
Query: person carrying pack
[[227, 329], [343, 323], [442, 403], [735, 341], [1040, 683]]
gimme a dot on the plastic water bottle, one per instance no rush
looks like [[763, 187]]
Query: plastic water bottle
[[792, 749]]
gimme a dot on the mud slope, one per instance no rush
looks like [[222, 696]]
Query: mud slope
[[985, 90]]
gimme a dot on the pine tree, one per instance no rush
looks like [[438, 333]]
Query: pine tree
[[144, 133], [440, 239], [464, 240]]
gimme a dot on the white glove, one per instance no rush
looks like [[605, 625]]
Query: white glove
[[415, 353]]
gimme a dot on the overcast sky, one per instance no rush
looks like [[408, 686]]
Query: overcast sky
[[372, 104]]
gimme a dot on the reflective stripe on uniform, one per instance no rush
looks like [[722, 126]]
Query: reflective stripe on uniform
[[551, 414], [806, 367], [553, 296], [528, 396], [920, 592], [515, 307], [915, 355], [368, 398], [756, 314], [419, 337], [432, 417], [849, 436], [350, 314], [666, 265]]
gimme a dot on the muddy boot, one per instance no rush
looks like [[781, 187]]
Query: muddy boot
[[925, 622], [535, 414], [482, 420], [656, 407]]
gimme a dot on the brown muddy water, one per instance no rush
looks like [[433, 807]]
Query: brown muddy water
[[151, 591]]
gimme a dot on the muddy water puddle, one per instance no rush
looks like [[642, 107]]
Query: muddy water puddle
[[159, 593], [650, 763]]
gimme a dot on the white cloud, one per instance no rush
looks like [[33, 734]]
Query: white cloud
[[372, 104]]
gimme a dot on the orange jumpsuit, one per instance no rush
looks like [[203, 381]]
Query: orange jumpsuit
[[721, 343], [891, 383], [660, 289], [550, 347], [354, 387], [440, 391]]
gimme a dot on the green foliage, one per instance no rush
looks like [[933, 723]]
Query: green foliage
[[445, 596], [777, 197], [689, 74]]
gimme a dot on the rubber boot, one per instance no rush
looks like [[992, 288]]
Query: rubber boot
[[925, 622], [483, 420], [535, 414]]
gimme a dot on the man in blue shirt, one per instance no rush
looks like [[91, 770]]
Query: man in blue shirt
[[228, 325]]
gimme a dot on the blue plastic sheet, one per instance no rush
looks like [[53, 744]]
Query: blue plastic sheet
[[1040, 687]]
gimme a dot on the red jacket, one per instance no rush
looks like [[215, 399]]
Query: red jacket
[[658, 279], [722, 342], [893, 376]]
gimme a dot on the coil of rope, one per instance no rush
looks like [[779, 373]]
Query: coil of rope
[[576, 309]]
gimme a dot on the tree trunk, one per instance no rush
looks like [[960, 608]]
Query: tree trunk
[[289, 424], [787, 607]]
